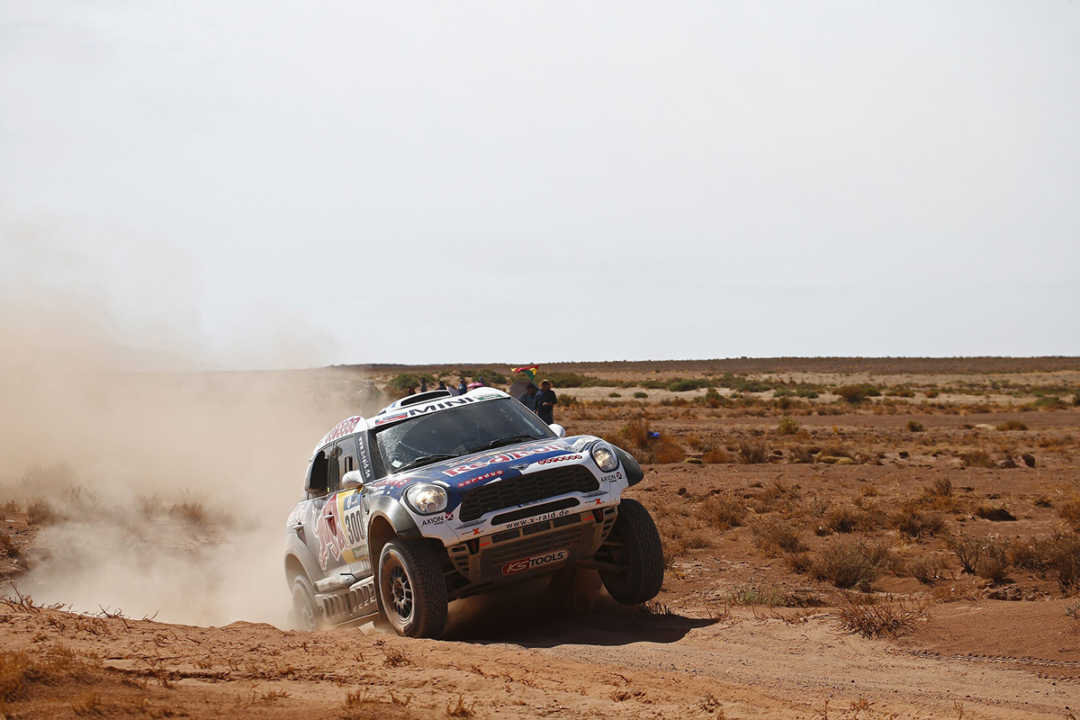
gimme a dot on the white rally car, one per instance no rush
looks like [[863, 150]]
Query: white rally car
[[440, 496]]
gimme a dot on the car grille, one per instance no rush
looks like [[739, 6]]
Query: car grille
[[526, 489]]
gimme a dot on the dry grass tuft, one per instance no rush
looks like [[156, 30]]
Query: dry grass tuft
[[460, 710], [872, 618], [787, 426], [7, 546], [847, 562], [1012, 425], [986, 557], [753, 453], [717, 456], [1070, 512], [775, 535], [722, 512]]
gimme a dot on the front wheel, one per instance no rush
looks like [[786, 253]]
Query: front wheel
[[304, 614], [635, 551], [412, 589]]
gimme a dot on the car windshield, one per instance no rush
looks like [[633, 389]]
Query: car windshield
[[460, 431]]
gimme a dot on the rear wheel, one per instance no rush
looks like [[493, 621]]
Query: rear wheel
[[304, 613], [412, 589], [634, 549]]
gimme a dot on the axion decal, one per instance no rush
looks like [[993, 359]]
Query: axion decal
[[536, 561], [501, 458], [480, 478], [612, 477], [424, 409], [561, 458]]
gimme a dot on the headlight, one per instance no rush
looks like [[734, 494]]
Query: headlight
[[426, 499], [604, 457]]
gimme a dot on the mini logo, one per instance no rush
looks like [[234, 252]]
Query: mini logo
[[534, 562]]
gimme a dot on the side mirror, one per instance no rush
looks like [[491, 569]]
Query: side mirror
[[558, 429], [352, 480]]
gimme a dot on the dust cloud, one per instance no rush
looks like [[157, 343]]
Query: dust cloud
[[157, 491]]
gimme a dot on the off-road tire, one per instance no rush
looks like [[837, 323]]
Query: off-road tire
[[411, 588], [640, 557], [304, 614]]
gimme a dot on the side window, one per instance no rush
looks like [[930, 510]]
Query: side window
[[317, 476], [347, 448], [334, 471]]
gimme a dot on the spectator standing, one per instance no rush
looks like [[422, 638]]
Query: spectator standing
[[530, 397], [442, 385], [545, 402], [462, 388], [423, 384]]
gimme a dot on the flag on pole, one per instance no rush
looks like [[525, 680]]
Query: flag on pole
[[529, 370]]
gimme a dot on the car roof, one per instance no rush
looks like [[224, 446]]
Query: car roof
[[407, 407]]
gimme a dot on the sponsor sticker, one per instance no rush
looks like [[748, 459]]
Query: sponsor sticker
[[538, 518], [612, 477], [535, 561], [561, 458], [502, 457]]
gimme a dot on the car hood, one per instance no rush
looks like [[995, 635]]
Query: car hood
[[464, 473]]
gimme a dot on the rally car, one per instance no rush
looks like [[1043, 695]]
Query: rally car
[[441, 496]]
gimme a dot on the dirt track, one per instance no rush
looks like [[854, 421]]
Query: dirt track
[[610, 662]]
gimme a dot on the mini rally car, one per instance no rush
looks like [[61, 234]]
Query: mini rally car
[[439, 497]]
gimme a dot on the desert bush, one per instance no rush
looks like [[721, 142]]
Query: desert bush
[[986, 557], [614, 395], [855, 394], [927, 569], [777, 534], [7, 546], [913, 426], [942, 487], [787, 426], [977, 458], [713, 398], [641, 395], [666, 450], [871, 617], [189, 511], [901, 391], [634, 434], [401, 383], [801, 454], [1069, 511], [685, 384], [847, 562], [917, 524], [1012, 425], [1059, 553], [566, 400], [41, 512], [722, 512], [993, 560], [844, 519], [716, 455], [753, 453], [777, 496]]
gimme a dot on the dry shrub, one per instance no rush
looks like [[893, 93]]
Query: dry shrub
[[986, 557], [722, 512], [913, 426], [753, 453], [1070, 512], [460, 710], [927, 569], [942, 487], [1012, 425], [873, 617], [41, 512], [849, 563], [801, 454], [717, 455], [190, 512], [777, 496], [57, 665], [917, 524], [846, 519], [7, 546], [667, 451], [1059, 553], [774, 535], [787, 426], [635, 434], [977, 458]]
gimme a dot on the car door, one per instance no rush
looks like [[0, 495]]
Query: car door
[[350, 509]]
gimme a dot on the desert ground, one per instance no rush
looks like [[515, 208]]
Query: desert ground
[[844, 538]]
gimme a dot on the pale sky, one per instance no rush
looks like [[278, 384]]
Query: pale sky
[[301, 183]]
